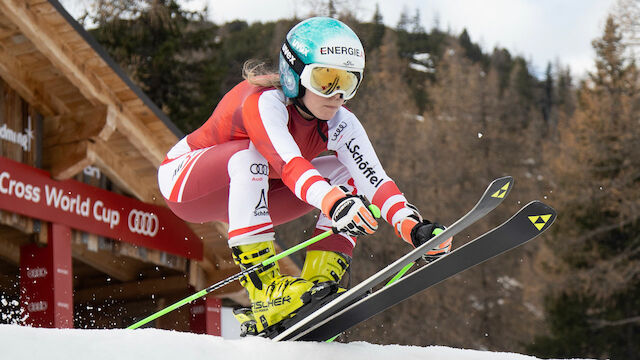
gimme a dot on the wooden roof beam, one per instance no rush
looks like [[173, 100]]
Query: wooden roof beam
[[134, 289], [10, 252], [68, 139], [102, 156], [78, 140], [105, 262], [96, 123], [29, 89], [15, 231], [43, 37], [66, 160], [41, 34]]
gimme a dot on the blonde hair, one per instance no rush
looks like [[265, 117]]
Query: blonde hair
[[257, 74]]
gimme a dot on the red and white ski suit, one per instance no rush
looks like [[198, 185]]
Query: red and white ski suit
[[254, 164]]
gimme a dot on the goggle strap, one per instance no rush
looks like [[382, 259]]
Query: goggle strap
[[292, 58]]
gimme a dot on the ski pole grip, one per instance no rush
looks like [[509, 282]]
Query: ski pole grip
[[374, 210]]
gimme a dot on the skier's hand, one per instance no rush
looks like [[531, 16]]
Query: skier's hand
[[349, 213], [423, 232]]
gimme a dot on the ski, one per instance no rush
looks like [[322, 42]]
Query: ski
[[491, 198], [533, 219]]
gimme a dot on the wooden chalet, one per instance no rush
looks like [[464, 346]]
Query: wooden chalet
[[82, 222]]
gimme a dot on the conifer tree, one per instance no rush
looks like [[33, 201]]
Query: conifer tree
[[377, 33], [472, 50], [596, 168], [471, 136], [166, 50], [416, 23], [547, 94], [404, 21]]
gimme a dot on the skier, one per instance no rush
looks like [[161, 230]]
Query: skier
[[254, 164]]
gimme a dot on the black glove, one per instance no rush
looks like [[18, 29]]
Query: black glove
[[423, 232]]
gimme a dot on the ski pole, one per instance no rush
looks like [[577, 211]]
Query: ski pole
[[395, 277], [404, 270], [374, 209], [230, 279]]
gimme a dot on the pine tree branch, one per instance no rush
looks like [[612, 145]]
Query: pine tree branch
[[601, 323], [604, 229]]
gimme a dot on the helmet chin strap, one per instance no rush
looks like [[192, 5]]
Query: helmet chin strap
[[300, 106], [298, 103]]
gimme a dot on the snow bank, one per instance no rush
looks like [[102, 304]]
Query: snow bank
[[18, 342]]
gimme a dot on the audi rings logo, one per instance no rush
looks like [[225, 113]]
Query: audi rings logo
[[197, 310], [38, 306], [37, 273], [259, 169], [143, 223]]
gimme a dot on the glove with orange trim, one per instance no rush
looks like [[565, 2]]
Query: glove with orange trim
[[423, 232], [349, 213], [416, 231]]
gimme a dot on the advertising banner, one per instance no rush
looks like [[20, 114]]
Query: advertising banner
[[29, 191]]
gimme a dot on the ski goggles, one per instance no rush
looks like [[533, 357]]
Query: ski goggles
[[326, 81]]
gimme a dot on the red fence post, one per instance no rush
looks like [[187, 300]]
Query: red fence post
[[46, 285], [206, 316]]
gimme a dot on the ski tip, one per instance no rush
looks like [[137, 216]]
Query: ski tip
[[500, 188], [505, 178], [540, 214]]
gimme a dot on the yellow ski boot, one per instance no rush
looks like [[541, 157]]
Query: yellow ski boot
[[274, 297], [322, 266]]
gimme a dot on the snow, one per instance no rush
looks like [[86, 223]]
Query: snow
[[423, 57], [509, 283], [20, 342], [422, 68], [418, 67], [423, 63]]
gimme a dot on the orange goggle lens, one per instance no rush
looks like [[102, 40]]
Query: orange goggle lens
[[328, 81]]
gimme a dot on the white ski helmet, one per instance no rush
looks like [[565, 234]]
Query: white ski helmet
[[324, 56]]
